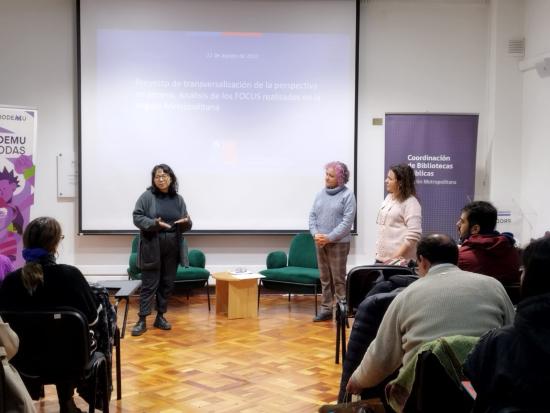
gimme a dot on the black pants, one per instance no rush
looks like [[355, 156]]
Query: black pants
[[160, 283]]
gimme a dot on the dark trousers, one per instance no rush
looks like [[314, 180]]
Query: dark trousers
[[160, 283]]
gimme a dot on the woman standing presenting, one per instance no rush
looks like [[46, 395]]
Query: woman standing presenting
[[161, 216], [399, 218], [330, 223]]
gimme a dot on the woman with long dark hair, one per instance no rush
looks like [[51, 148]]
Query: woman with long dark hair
[[44, 284], [161, 216], [399, 218]]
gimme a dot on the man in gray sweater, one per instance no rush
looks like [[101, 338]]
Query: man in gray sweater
[[445, 301]]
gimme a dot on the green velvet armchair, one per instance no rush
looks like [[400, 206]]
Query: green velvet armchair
[[298, 274], [194, 276]]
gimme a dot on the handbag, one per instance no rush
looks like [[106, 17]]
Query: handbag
[[15, 394]]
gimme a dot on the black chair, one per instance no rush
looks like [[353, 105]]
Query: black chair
[[54, 346], [359, 282], [513, 290]]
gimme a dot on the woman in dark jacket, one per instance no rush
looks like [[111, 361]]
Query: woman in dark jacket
[[161, 216], [43, 284], [509, 368]]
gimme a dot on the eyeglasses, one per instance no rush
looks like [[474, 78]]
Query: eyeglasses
[[162, 177]]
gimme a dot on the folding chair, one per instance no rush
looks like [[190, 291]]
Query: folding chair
[[359, 282]]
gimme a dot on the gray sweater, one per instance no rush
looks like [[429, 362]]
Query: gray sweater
[[445, 302], [145, 212], [333, 214]]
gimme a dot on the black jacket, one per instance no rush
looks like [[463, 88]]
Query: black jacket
[[510, 366], [367, 320], [145, 212]]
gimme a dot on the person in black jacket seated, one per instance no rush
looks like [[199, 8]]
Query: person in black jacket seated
[[509, 368], [43, 284], [365, 326], [161, 216]]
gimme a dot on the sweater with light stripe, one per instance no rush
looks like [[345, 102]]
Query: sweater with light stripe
[[445, 302]]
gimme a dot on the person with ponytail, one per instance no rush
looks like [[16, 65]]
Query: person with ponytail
[[44, 284]]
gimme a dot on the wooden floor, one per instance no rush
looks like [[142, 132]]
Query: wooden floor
[[280, 362]]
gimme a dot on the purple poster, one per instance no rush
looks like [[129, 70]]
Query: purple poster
[[441, 149], [17, 145]]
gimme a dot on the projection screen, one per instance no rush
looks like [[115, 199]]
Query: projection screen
[[246, 100]]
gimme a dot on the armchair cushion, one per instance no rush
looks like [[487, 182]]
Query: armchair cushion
[[197, 259], [276, 259], [302, 251], [191, 273], [299, 275]]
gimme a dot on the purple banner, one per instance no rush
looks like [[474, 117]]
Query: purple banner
[[17, 146], [442, 151]]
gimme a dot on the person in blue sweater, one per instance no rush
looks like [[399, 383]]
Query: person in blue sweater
[[330, 222]]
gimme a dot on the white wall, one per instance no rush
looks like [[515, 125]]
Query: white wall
[[535, 165], [503, 109], [416, 56]]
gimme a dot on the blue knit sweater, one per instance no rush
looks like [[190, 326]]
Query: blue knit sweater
[[333, 214]]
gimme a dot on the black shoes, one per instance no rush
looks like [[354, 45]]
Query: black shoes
[[140, 327], [323, 316], [160, 322]]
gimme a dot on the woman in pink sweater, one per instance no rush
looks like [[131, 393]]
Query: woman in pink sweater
[[399, 219]]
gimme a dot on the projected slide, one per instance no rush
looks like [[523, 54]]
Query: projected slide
[[246, 119]]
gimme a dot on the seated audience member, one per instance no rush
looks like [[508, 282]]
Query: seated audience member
[[509, 368], [44, 284], [445, 301], [6, 266], [484, 250], [365, 326], [16, 396]]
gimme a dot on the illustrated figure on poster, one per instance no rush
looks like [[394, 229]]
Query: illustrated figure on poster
[[15, 204]]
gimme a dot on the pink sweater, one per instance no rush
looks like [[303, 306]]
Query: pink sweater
[[398, 223]]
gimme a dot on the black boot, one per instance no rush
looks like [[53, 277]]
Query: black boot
[[140, 327], [160, 322]]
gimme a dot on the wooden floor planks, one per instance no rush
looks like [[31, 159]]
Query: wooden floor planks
[[279, 362]]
